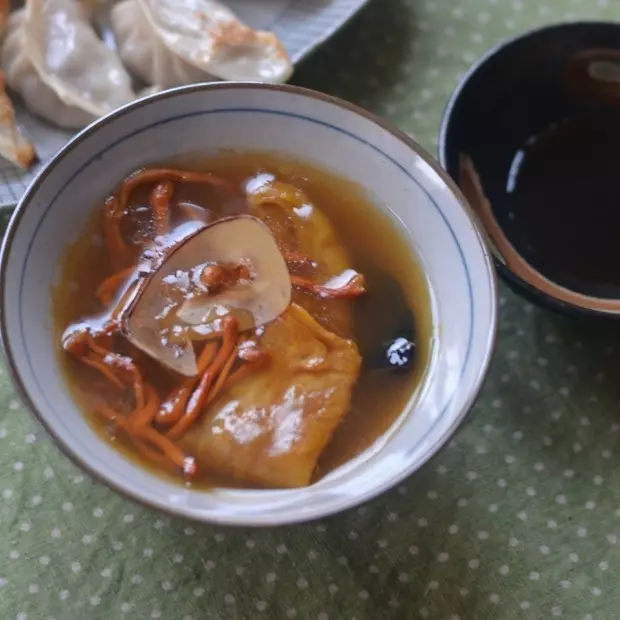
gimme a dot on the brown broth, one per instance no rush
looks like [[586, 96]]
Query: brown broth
[[377, 247]]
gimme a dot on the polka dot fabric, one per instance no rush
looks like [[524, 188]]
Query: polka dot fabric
[[518, 518]]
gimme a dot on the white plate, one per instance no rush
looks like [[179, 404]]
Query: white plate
[[302, 26]]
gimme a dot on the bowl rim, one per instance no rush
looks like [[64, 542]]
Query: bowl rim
[[516, 283], [372, 492]]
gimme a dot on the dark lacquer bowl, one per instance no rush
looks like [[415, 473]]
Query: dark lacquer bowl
[[514, 93]]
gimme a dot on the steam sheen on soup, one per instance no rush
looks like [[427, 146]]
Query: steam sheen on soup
[[241, 320]]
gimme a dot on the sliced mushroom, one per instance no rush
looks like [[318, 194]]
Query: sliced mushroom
[[178, 306]]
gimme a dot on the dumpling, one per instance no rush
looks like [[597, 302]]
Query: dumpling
[[172, 42], [14, 146], [145, 54], [53, 58], [271, 428]]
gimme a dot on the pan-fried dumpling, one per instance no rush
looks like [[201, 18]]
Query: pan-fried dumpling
[[14, 146], [170, 42], [271, 427], [145, 54], [64, 72]]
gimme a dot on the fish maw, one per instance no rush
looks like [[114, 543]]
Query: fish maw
[[271, 428]]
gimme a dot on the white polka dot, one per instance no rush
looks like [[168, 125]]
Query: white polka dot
[[302, 583], [30, 438], [48, 473], [565, 584], [24, 527], [504, 570], [413, 550], [156, 613], [63, 595], [556, 611], [612, 539], [453, 529], [569, 473], [474, 564], [33, 588], [403, 578], [483, 535], [117, 545], [422, 522], [604, 565], [87, 539], [471, 475], [524, 605], [198, 592], [148, 552], [443, 557], [56, 533], [76, 567], [22, 615], [573, 557], [250, 544], [332, 588], [14, 554], [534, 576], [501, 483], [98, 512], [18, 466], [261, 605], [177, 558], [590, 505], [560, 499], [544, 549], [513, 542], [509, 459], [44, 560], [128, 518], [598, 480], [551, 524], [291, 613], [423, 612], [240, 570], [13, 404], [582, 532], [7, 493], [166, 585], [189, 531], [596, 591], [462, 502], [530, 491], [463, 591], [67, 506], [106, 572], [522, 515], [95, 600], [281, 549], [494, 598], [137, 580]]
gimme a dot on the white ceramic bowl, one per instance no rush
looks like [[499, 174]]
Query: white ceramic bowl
[[396, 172]]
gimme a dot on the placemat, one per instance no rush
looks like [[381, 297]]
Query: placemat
[[519, 517]]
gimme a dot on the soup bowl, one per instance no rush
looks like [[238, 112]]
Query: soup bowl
[[399, 177]]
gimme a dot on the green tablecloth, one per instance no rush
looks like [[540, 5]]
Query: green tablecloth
[[518, 518]]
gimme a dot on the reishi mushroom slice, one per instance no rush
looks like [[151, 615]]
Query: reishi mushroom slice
[[178, 305]]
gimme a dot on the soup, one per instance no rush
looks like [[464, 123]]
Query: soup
[[243, 320]]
